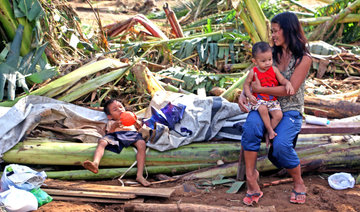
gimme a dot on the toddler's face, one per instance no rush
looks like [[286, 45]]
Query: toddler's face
[[263, 60], [116, 108]]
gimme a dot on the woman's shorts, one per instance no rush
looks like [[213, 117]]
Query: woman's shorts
[[282, 153], [120, 139]]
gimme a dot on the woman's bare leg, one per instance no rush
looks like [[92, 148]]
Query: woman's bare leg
[[299, 185], [251, 173]]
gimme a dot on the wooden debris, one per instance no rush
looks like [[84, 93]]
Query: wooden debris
[[143, 191], [88, 199], [190, 208], [277, 182], [334, 108], [333, 127], [96, 200], [96, 194]]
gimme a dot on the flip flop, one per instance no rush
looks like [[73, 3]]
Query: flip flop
[[251, 199], [295, 200]]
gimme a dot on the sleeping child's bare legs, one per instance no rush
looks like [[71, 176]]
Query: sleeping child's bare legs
[[140, 157], [140, 145], [93, 166]]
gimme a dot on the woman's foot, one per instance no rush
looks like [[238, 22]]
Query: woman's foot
[[252, 199], [91, 166], [298, 194], [253, 193], [143, 181]]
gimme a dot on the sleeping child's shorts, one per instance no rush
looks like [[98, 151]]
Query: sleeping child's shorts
[[271, 105], [120, 139]]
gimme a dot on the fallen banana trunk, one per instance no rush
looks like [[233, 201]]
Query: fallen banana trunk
[[117, 172], [45, 151], [70, 153], [342, 155]]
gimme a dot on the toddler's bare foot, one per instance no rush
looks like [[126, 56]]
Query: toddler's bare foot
[[272, 134], [91, 166], [143, 181]]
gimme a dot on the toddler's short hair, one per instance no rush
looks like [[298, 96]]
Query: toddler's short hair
[[260, 47]]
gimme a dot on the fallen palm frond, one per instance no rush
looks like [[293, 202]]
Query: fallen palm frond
[[320, 33], [115, 29], [319, 20], [69, 79], [191, 80], [92, 84]]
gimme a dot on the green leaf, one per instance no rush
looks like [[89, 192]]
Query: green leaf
[[189, 81], [235, 187], [36, 11], [14, 54], [36, 58], [29, 8], [43, 75], [208, 26], [8, 72], [25, 62]]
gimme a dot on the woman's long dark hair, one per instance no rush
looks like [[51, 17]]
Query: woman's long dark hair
[[293, 34]]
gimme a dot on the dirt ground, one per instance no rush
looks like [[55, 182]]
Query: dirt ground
[[321, 197]]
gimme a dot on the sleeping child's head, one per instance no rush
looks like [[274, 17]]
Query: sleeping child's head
[[113, 109]]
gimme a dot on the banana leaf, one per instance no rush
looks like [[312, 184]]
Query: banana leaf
[[9, 68]]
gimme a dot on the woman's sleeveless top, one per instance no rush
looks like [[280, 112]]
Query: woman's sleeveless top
[[295, 102]]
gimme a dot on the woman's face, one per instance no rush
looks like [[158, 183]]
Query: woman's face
[[277, 35]]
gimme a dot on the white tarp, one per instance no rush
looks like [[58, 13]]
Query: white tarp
[[205, 117], [30, 111]]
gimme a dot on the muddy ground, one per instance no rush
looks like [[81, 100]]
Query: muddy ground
[[321, 197]]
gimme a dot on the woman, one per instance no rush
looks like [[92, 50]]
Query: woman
[[292, 58]]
